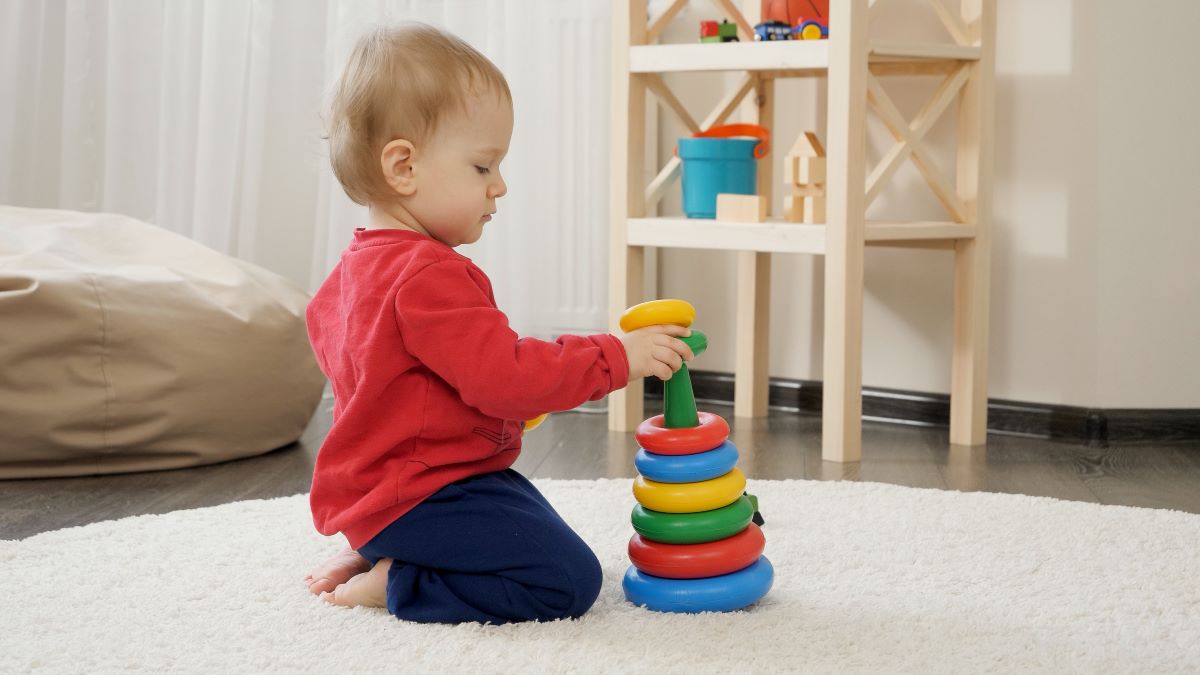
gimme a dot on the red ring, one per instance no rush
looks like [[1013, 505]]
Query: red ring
[[694, 561], [652, 436]]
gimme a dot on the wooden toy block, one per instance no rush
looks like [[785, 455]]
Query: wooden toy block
[[803, 170], [741, 208], [804, 209], [810, 170], [793, 209], [808, 145], [808, 190], [814, 210]]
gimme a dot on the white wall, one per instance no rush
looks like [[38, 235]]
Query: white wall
[[1095, 294], [1148, 297]]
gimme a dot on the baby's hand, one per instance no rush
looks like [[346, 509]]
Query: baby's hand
[[653, 351]]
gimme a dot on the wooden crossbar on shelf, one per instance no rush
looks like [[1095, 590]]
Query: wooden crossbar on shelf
[[669, 173], [663, 93], [659, 23], [909, 137]]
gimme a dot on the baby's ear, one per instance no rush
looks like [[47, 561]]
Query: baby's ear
[[396, 160]]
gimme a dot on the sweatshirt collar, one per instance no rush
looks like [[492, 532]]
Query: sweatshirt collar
[[364, 237]]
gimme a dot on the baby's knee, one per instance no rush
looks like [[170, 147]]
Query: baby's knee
[[570, 587], [586, 577]]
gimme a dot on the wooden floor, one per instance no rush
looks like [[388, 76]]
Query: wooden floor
[[579, 445]]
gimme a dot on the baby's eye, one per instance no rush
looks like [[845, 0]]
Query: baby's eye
[[483, 169]]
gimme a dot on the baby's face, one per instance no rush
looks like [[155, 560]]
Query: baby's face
[[457, 171]]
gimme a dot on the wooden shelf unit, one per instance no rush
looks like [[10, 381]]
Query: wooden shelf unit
[[852, 65]]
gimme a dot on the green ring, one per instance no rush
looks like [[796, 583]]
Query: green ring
[[693, 528]]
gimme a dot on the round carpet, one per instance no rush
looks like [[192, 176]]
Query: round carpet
[[869, 577]]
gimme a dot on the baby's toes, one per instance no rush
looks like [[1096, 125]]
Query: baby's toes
[[319, 586], [338, 596]]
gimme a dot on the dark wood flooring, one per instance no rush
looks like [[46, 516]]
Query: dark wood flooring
[[579, 445]]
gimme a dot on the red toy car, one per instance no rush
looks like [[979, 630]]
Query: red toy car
[[809, 18]]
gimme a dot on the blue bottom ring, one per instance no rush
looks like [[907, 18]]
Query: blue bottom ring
[[690, 596]]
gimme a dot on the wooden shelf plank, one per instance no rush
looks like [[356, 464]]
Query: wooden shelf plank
[[910, 231], [776, 235], [773, 236], [921, 51], [783, 56]]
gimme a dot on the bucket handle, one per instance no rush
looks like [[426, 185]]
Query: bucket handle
[[729, 130]]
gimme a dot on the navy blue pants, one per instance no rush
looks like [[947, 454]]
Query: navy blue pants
[[489, 548]]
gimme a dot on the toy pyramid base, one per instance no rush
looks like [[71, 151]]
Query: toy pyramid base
[[725, 593]]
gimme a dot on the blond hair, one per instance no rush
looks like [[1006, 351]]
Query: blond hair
[[399, 82]]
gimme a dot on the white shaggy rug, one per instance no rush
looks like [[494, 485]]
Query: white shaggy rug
[[869, 577]]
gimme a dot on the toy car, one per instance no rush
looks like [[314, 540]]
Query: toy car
[[769, 31], [711, 31], [811, 29]]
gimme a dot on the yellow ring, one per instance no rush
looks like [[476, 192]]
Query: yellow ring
[[657, 312], [705, 495], [532, 424]]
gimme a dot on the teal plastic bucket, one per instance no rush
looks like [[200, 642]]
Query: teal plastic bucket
[[712, 166]]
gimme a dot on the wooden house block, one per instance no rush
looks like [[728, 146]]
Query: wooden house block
[[808, 209], [810, 170], [793, 209], [814, 210], [741, 208], [808, 145], [803, 170]]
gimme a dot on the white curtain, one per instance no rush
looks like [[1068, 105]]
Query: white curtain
[[202, 116]]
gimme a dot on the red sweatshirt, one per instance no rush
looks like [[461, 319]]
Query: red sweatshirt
[[430, 384]]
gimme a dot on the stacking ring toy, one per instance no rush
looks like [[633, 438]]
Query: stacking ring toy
[[654, 437], [694, 561], [693, 528], [687, 468], [713, 594], [656, 312], [690, 497]]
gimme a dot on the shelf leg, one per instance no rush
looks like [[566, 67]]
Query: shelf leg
[[751, 376], [751, 386], [972, 257], [626, 271], [626, 407], [841, 415], [968, 388]]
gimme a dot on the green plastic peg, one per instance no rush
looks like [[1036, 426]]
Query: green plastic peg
[[679, 403]]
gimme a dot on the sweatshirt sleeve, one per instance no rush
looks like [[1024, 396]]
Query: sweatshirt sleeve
[[448, 321]]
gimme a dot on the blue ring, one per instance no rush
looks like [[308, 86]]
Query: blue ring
[[691, 596], [687, 468]]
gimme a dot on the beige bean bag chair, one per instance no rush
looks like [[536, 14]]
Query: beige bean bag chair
[[125, 347]]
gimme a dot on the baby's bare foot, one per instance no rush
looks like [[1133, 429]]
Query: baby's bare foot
[[335, 571], [368, 589]]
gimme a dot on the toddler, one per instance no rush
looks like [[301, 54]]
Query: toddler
[[431, 386]]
